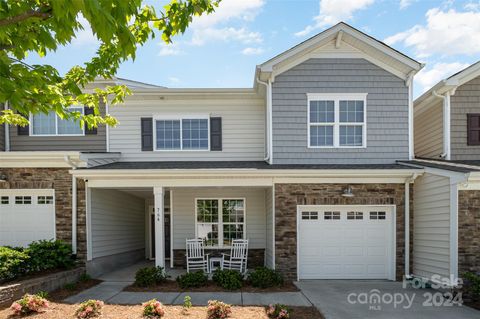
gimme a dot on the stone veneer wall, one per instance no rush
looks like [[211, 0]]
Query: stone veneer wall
[[61, 181], [468, 231], [256, 257], [288, 196]]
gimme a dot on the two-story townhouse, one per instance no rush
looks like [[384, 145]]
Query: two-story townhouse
[[39, 198], [447, 195], [303, 164]]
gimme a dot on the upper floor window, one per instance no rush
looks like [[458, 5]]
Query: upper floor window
[[473, 129], [51, 124], [182, 133], [336, 120]]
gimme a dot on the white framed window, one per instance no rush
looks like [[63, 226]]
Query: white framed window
[[4, 200], [188, 133], [310, 215], [337, 120], [52, 125], [44, 200], [354, 215], [23, 200], [220, 220], [331, 215], [378, 215]]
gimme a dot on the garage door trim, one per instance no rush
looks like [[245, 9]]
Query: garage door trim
[[393, 225]]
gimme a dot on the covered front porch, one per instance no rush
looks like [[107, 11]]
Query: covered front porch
[[127, 225]]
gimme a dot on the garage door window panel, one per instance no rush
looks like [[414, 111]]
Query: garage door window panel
[[355, 215], [45, 200], [310, 215], [331, 215], [4, 200], [23, 200], [378, 215]]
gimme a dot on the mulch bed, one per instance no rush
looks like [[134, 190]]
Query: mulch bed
[[172, 286], [65, 311]]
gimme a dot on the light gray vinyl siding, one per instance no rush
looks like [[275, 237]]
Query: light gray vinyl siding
[[243, 127], [431, 224], [269, 251], [87, 143], [387, 112], [465, 100], [428, 128], [118, 222], [183, 212]]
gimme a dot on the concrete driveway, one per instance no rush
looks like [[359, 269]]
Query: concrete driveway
[[352, 299]]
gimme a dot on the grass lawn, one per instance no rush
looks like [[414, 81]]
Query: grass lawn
[[66, 311]]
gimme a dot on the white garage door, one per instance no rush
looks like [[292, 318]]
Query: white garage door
[[345, 242], [26, 215]]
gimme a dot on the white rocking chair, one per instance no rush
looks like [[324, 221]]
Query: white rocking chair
[[196, 257], [237, 260]]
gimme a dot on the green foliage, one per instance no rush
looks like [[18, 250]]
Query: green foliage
[[218, 310], [150, 276], [153, 309], [29, 304], [38, 256], [42, 294], [120, 27], [13, 263], [89, 309], [472, 285], [84, 277], [278, 311], [263, 277], [50, 254], [228, 279], [71, 286], [192, 280], [187, 302]]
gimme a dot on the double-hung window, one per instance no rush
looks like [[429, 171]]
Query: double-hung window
[[219, 221], [182, 133], [51, 124], [337, 120]]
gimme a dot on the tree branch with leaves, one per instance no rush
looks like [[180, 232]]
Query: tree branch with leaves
[[42, 26]]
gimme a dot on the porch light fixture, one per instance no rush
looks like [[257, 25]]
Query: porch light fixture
[[347, 192], [3, 178]]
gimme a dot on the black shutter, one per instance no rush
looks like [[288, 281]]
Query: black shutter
[[473, 129], [23, 130], [89, 131], [147, 133], [215, 133]]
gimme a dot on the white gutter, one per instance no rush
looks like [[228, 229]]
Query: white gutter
[[446, 123], [7, 132], [268, 115], [74, 205]]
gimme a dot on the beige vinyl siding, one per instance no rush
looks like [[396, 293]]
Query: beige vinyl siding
[[428, 128], [88, 143], [184, 212], [269, 251], [465, 100], [118, 222], [243, 126], [431, 238]]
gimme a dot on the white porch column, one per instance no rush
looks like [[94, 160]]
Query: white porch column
[[159, 227]]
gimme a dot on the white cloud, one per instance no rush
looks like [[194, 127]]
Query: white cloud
[[445, 33], [473, 6], [84, 37], [334, 11], [212, 27], [405, 3], [252, 51], [169, 49], [430, 76], [174, 80]]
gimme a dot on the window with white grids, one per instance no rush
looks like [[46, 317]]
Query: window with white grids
[[337, 120], [51, 124], [182, 133]]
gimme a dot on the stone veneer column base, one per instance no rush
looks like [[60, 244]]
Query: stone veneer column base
[[468, 231]]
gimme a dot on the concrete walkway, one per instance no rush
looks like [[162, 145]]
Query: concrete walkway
[[111, 291], [342, 299]]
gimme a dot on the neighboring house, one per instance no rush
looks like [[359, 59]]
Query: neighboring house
[[303, 164], [447, 195]]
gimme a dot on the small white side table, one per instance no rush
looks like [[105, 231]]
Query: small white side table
[[215, 260]]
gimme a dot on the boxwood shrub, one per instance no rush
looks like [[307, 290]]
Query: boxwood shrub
[[13, 263], [150, 276], [192, 280], [228, 279], [263, 277]]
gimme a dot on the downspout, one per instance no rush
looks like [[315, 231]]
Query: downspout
[[7, 131], [411, 145], [407, 225], [74, 205], [268, 86], [446, 123]]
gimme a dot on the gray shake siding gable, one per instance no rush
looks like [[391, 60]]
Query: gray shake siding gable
[[387, 112]]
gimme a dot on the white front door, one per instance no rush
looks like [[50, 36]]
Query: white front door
[[345, 242], [26, 215]]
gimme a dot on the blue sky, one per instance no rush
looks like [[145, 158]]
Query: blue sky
[[222, 49]]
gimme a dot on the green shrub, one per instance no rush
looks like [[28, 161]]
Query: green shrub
[[29, 304], [50, 254], [218, 310], [228, 279], [71, 286], [263, 277], [192, 280], [150, 276], [84, 277], [89, 309], [278, 311], [13, 263], [471, 285]]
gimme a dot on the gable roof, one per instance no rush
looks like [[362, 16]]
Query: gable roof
[[449, 84], [356, 41]]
